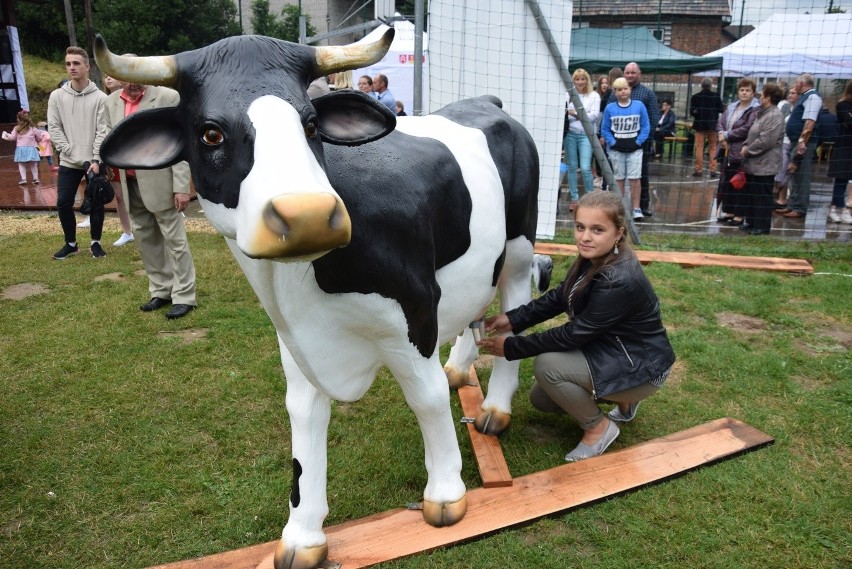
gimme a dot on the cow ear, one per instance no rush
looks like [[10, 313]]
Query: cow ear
[[350, 118], [147, 140]]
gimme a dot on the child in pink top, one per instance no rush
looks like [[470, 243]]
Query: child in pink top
[[27, 138], [45, 148]]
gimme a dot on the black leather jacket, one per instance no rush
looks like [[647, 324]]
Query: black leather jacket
[[616, 324]]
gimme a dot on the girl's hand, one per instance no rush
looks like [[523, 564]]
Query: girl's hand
[[498, 324], [493, 345]]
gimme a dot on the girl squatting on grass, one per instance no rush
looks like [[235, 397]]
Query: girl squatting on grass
[[614, 347]]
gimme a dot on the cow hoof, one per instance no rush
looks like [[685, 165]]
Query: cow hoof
[[456, 377], [443, 514], [304, 558], [492, 422]]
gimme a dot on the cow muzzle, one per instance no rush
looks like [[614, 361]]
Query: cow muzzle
[[301, 226]]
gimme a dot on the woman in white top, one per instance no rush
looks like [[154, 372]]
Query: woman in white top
[[578, 149]]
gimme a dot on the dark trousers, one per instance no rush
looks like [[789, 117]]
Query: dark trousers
[[645, 196], [732, 200], [758, 200], [67, 183]]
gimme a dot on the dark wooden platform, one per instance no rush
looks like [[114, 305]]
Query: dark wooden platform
[[400, 533], [686, 259]]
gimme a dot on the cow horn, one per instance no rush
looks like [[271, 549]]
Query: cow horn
[[330, 59], [153, 70]]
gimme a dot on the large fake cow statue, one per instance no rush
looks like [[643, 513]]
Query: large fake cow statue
[[370, 242]]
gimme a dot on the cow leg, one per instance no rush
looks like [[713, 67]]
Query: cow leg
[[425, 389], [303, 543], [515, 290], [462, 356]]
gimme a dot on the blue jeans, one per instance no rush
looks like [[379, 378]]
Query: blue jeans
[[578, 154]]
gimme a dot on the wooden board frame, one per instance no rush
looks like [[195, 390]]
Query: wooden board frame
[[400, 533], [486, 448], [687, 259]]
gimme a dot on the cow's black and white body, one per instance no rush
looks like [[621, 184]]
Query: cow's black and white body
[[363, 255]]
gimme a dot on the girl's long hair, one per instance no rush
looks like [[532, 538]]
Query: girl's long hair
[[25, 122], [610, 203]]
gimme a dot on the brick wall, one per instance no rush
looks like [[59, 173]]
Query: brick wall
[[696, 37]]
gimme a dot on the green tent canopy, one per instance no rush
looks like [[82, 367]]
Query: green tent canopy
[[597, 50]]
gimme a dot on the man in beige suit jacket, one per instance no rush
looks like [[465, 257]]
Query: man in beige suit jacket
[[155, 200]]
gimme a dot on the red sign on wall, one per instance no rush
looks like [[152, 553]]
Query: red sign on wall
[[408, 58]]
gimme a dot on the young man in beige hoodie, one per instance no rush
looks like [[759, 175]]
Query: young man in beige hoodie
[[76, 121]]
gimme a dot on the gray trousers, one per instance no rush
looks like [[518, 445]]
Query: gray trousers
[[563, 384], [162, 242], [800, 188]]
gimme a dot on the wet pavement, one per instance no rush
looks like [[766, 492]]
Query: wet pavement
[[680, 203], [683, 204]]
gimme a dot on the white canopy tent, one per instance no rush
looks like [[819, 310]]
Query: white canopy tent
[[398, 64], [791, 44]]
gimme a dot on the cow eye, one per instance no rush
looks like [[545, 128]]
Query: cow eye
[[212, 136], [311, 130]]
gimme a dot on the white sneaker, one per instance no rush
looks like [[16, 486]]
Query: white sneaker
[[637, 214], [833, 216], [85, 223], [846, 216], [123, 240]]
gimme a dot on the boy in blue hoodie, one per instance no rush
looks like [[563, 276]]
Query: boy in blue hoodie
[[625, 128]]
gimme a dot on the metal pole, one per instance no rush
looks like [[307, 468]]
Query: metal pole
[[742, 11], [69, 19], [418, 58], [597, 150]]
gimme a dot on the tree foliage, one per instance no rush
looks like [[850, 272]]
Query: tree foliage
[[285, 27], [152, 27]]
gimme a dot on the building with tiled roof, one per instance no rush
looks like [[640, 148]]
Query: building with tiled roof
[[693, 26]]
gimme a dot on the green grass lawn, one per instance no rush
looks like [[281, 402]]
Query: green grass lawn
[[42, 77], [129, 440]]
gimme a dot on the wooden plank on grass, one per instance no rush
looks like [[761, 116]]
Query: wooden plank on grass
[[400, 533], [486, 448], [687, 259]]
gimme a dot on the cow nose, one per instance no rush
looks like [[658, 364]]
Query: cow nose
[[303, 226]]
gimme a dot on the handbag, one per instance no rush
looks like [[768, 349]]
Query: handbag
[[98, 193], [738, 180]]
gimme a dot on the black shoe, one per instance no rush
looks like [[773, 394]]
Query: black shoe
[[724, 219], [647, 213], [66, 251], [759, 232], [698, 174], [97, 251], [745, 227], [179, 311], [155, 304], [714, 174], [734, 222]]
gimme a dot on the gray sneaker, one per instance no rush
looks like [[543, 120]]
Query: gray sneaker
[[583, 451], [616, 415]]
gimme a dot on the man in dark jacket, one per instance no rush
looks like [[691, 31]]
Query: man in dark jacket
[[705, 107]]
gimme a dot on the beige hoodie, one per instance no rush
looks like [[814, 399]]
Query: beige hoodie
[[77, 123]]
